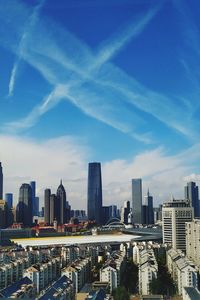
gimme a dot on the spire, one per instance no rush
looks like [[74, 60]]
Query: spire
[[148, 192], [60, 181]]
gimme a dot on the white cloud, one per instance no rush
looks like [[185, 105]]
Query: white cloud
[[47, 162]]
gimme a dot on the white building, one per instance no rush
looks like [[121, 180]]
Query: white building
[[182, 270], [148, 269], [193, 241], [78, 272], [110, 275], [175, 214], [43, 274]]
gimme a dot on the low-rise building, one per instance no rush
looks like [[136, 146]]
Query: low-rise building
[[24, 288], [43, 274], [183, 271], [148, 269], [62, 289]]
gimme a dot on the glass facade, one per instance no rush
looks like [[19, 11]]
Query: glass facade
[[94, 192]]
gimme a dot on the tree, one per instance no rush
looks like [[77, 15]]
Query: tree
[[121, 293]]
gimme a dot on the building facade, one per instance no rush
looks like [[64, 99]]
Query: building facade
[[192, 194], [175, 214], [24, 210], [137, 200], [94, 201], [193, 241], [1, 182]]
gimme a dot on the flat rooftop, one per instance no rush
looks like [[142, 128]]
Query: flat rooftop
[[71, 240]]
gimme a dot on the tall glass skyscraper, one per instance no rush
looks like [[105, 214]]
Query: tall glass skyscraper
[[47, 194], [137, 200], [192, 194], [24, 213], [1, 182], [94, 192]]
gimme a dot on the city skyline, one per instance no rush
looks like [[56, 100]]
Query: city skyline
[[98, 81]]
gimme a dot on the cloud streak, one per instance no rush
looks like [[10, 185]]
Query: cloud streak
[[97, 86], [22, 45]]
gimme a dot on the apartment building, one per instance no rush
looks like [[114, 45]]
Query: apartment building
[[183, 270], [148, 269], [193, 241]]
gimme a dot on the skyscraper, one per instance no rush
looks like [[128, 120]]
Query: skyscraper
[[1, 182], [60, 212], [25, 215], [94, 192], [47, 194], [137, 200], [148, 213], [9, 199], [192, 194], [34, 199]]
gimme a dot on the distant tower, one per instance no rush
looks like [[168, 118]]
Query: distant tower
[[53, 203], [25, 205], [94, 192], [137, 200], [61, 204], [192, 194], [1, 182], [9, 199], [47, 194], [148, 213], [34, 199]]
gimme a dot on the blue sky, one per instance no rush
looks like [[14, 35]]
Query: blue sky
[[113, 80]]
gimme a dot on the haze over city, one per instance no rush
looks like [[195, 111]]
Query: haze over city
[[109, 81]]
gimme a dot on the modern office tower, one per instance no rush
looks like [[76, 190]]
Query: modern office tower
[[9, 199], [105, 214], [53, 203], [175, 214], [125, 212], [35, 202], [94, 203], [137, 200], [192, 194], [47, 194], [3, 212], [25, 211], [113, 211], [193, 241], [60, 213], [1, 182], [148, 213]]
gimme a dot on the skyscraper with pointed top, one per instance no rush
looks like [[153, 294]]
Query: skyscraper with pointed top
[[1, 182], [60, 208], [94, 192]]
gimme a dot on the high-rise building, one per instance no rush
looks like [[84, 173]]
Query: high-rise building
[[148, 213], [94, 201], [47, 194], [9, 199], [60, 212], [137, 200], [192, 194], [125, 212], [53, 203], [25, 211], [35, 203], [1, 182], [175, 214]]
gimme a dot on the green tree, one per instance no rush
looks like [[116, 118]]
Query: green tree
[[121, 293]]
